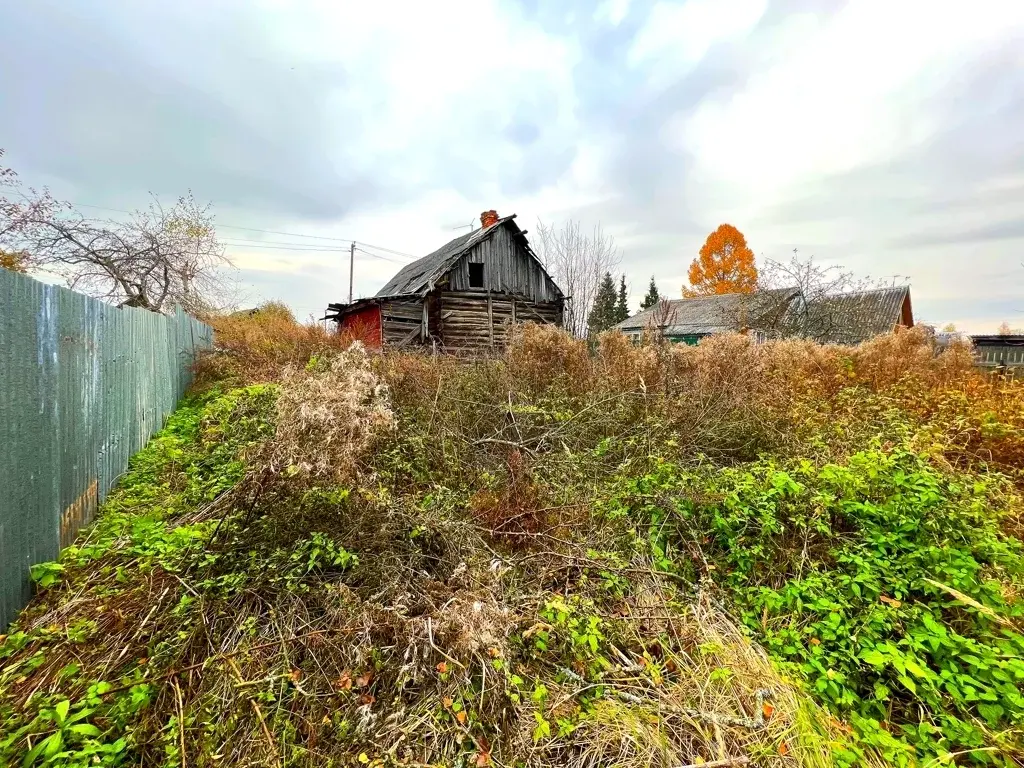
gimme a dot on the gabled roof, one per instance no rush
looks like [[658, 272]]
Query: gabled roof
[[419, 276], [703, 315], [850, 318], [846, 318]]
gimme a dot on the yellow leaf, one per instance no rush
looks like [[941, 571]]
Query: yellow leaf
[[363, 758], [461, 717], [725, 265], [540, 626], [890, 601]]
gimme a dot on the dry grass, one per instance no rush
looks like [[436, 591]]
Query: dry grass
[[257, 347], [264, 646], [329, 413]]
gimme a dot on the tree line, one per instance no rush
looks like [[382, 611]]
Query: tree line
[[166, 255]]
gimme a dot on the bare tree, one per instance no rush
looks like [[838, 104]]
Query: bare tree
[[155, 259], [659, 320], [19, 206], [577, 262], [802, 298]]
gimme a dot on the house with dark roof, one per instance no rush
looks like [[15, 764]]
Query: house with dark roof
[[463, 297], [843, 318]]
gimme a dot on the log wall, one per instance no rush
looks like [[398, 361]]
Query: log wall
[[472, 321]]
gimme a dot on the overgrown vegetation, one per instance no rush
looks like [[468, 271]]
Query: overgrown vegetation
[[784, 554], [257, 345]]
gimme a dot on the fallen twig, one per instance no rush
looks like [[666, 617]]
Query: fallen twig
[[259, 715]]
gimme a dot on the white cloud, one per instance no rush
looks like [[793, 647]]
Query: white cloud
[[857, 92], [612, 11], [678, 35], [402, 121]]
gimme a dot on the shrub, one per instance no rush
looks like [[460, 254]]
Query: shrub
[[532, 559], [256, 346], [884, 583], [329, 413]]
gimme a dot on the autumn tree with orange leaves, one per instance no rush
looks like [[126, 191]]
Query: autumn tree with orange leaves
[[726, 265]]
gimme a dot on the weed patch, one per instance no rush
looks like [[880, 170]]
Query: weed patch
[[652, 555]]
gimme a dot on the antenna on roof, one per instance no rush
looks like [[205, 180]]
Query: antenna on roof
[[471, 225]]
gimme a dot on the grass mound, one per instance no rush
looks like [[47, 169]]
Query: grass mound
[[776, 555]]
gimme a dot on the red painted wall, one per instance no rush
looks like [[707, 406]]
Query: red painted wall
[[364, 324]]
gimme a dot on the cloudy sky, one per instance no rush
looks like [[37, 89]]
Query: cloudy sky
[[884, 136]]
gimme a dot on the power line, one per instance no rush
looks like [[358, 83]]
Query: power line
[[273, 232], [377, 256], [279, 242], [312, 248], [387, 250]]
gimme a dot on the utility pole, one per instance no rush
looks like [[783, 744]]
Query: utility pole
[[351, 268]]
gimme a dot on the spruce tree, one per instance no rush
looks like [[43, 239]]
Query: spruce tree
[[652, 297], [602, 314], [622, 305]]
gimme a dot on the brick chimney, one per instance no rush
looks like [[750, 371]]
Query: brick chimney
[[487, 218]]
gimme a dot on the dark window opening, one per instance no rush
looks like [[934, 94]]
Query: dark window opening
[[476, 275]]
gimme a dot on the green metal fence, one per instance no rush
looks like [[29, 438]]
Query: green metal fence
[[83, 385]]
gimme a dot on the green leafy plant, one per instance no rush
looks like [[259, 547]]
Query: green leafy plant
[[881, 581]]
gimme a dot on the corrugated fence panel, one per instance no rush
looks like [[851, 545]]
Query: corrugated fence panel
[[83, 386]]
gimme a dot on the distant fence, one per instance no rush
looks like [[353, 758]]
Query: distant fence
[[83, 385], [1004, 352]]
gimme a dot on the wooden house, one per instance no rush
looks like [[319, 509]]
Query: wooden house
[[841, 318], [463, 297]]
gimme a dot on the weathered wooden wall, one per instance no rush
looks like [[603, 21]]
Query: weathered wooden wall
[[402, 321], [508, 268], [472, 321], [994, 355]]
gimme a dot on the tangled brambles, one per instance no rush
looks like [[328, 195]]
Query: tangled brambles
[[776, 555], [329, 413]]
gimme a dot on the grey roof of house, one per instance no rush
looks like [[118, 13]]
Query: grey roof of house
[[416, 278], [850, 318], [847, 318], [705, 315]]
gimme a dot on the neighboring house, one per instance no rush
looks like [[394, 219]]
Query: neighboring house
[[463, 297], [847, 318], [689, 320], [999, 351]]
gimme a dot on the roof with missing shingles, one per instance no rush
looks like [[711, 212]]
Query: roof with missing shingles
[[417, 277]]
